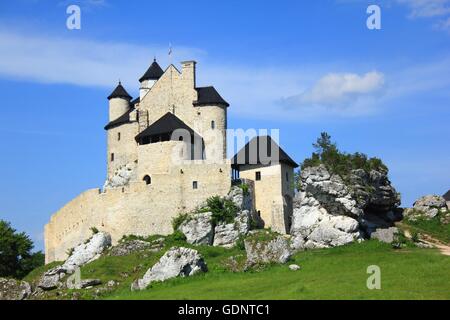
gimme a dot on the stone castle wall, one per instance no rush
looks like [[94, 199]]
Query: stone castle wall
[[137, 209]]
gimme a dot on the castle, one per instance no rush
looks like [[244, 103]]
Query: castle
[[166, 154]]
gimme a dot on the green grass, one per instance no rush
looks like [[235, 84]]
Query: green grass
[[433, 227], [338, 273]]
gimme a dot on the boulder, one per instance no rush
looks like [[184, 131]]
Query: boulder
[[427, 207], [227, 234], [87, 252], [51, 279], [198, 229], [274, 249], [11, 289], [83, 284], [385, 235], [329, 211], [177, 262], [243, 200], [294, 267]]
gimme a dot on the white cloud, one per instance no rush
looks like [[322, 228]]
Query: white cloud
[[427, 8], [346, 94], [79, 62]]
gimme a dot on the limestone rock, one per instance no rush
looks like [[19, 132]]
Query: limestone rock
[[122, 176], [385, 235], [240, 198], [294, 267], [11, 289], [225, 235], [83, 284], [329, 212], [177, 262], [51, 279], [258, 251], [198, 229], [428, 207], [87, 252]]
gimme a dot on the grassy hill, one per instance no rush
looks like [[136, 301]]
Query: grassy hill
[[337, 273]]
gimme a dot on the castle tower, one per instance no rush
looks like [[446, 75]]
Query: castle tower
[[147, 81], [120, 130], [119, 102]]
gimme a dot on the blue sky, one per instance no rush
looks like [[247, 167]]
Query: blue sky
[[301, 66]]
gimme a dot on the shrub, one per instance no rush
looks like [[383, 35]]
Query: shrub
[[94, 230], [338, 162], [223, 210], [415, 236], [178, 220], [70, 251], [245, 188], [177, 236]]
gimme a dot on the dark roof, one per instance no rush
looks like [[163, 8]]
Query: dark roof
[[154, 72], [261, 141], [167, 124], [447, 196], [123, 119], [120, 92], [209, 96]]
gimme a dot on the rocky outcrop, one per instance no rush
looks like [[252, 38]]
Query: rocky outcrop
[[81, 255], [329, 211], [200, 229], [427, 207], [263, 247], [11, 289], [122, 176], [84, 284], [177, 262], [88, 252]]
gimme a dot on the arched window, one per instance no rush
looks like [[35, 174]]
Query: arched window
[[147, 179], [213, 124]]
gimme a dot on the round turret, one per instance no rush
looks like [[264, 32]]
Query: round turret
[[119, 102]]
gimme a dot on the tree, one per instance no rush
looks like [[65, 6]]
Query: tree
[[16, 258]]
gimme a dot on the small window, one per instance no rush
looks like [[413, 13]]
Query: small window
[[112, 157], [213, 124], [147, 179], [118, 136], [195, 185], [287, 176], [258, 175]]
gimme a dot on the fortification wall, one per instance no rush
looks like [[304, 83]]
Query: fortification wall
[[137, 209]]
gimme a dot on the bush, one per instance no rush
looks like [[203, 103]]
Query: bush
[[177, 236], [415, 236], [178, 220], [245, 188], [223, 210], [94, 230], [338, 162]]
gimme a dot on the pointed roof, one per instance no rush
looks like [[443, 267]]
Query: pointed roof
[[120, 92], [244, 157], [209, 96], [154, 72], [447, 196], [125, 118], [167, 124]]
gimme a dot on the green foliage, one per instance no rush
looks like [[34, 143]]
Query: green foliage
[[434, 227], [223, 210], [16, 258], [178, 220], [240, 245], [338, 162], [94, 230], [415, 237], [177, 236], [245, 188], [265, 235]]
